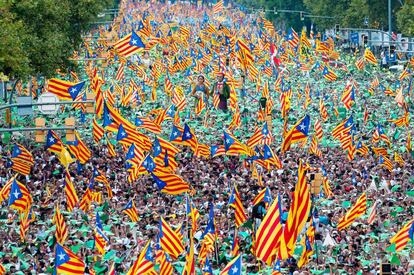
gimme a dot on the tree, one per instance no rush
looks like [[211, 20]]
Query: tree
[[405, 18], [282, 19], [13, 60], [337, 10], [355, 15], [351, 13], [38, 36], [378, 13]]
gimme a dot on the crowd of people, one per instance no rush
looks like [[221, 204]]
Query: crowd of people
[[200, 65]]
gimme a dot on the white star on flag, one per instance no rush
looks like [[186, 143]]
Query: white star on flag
[[61, 256]]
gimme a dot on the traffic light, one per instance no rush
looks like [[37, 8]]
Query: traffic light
[[70, 134], [8, 116], [336, 28], [274, 10], [89, 106], [302, 18], [40, 122]]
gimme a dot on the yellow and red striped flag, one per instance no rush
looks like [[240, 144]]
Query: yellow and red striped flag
[[318, 130], [101, 240], [359, 64], [297, 216], [53, 142], [327, 188], [164, 262], [129, 45], [370, 57], [67, 262], [169, 240], [372, 213], [111, 270], [144, 264], [21, 167], [269, 233], [120, 73], [398, 159], [405, 73], [20, 153], [298, 133], [79, 149], [19, 197], [314, 149], [235, 245], [401, 238], [401, 121], [110, 147], [200, 106], [322, 110], [260, 197], [24, 226], [189, 268], [236, 120], [357, 210], [131, 211], [236, 203], [262, 135], [218, 7], [169, 183], [386, 162], [70, 192], [233, 146], [233, 267], [65, 90], [86, 200], [61, 228]]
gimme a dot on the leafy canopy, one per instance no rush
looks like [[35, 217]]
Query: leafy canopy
[[38, 36]]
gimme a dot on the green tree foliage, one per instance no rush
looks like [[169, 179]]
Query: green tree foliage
[[283, 19], [405, 18], [38, 36], [347, 13], [355, 14], [12, 56], [325, 8]]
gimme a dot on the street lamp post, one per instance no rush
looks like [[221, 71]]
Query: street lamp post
[[389, 20], [389, 29]]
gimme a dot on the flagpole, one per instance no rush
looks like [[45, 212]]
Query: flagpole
[[186, 215], [216, 252], [254, 250]]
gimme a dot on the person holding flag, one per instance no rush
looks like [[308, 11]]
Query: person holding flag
[[200, 92], [221, 93]]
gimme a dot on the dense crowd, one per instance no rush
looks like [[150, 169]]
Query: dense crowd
[[358, 248]]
